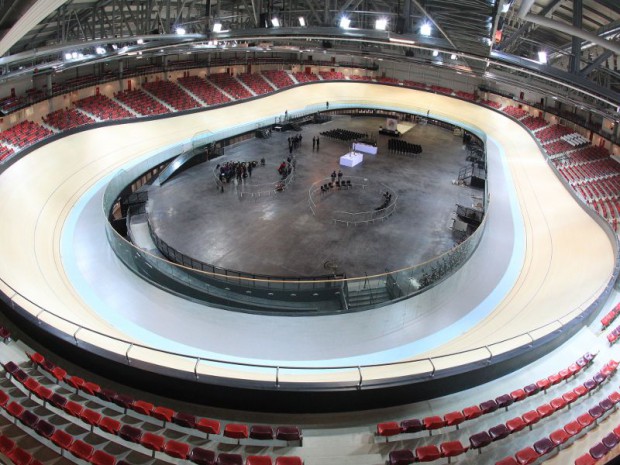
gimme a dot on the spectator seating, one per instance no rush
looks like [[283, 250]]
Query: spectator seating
[[256, 83], [553, 132], [66, 119], [305, 77], [441, 89], [388, 80], [25, 133], [414, 84], [279, 79], [610, 316], [172, 94], [5, 152], [515, 112], [357, 77], [203, 90], [160, 416], [575, 140], [140, 102], [332, 75], [230, 85], [534, 123], [583, 155], [392, 428], [103, 108], [466, 95], [557, 146], [491, 103]]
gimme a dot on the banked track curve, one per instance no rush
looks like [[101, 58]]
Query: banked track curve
[[568, 258]]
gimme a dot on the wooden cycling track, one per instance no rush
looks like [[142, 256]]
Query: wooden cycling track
[[568, 258]]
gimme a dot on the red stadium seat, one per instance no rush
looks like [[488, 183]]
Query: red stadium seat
[[526, 456], [236, 431], [289, 460], [101, 457], [472, 412], [387, 429], [81, 450], [454, 419], [153, 441], [530, 418], [516, 424], [433, 423], [559, 437], [143, 407], [258, 460], [289, 433], [20, 457], [163, 414], [452, 449], [130, 433], [177, 449], [427, 453], [62, 439], [110, 425], [208, 426], [585, 459]]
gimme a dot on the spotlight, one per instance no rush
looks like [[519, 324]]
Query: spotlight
[[100, 51], [453, 56], [114, 46], [74, 55], [140, 41], [435, 53], [217, 27], [381, 24], [542, 57], [67, 56], [181, 31], [425, 29], [302, 21], [275, 22], [345, 22]]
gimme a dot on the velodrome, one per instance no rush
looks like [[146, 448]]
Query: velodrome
[[567, 261]]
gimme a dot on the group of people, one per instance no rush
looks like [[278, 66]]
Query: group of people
[[237, 170], [334, 175], [315, 142], [387, 199], [286, 167], [294, 143]]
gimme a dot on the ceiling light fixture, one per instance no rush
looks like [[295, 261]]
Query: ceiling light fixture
[[542, 57], [302, 21], [381, 24], [425, 29], [180, 31], [275, 22], [345, 23]]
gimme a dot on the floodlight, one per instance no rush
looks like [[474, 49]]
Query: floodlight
[[302, 21], [381, 24], [217, 27], [435, 53], [100, 51], [542, 57], [67, 56], [141, 41], [345, 22], [74, 55], [453, 56], [275, 22], [180, 31], [425, 29]]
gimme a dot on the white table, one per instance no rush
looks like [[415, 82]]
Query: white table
[[365, 148], [351, 159]]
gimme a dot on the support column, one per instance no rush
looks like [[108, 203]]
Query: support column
[[575, 59]]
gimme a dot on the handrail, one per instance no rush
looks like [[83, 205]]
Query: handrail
[[130, 344]]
